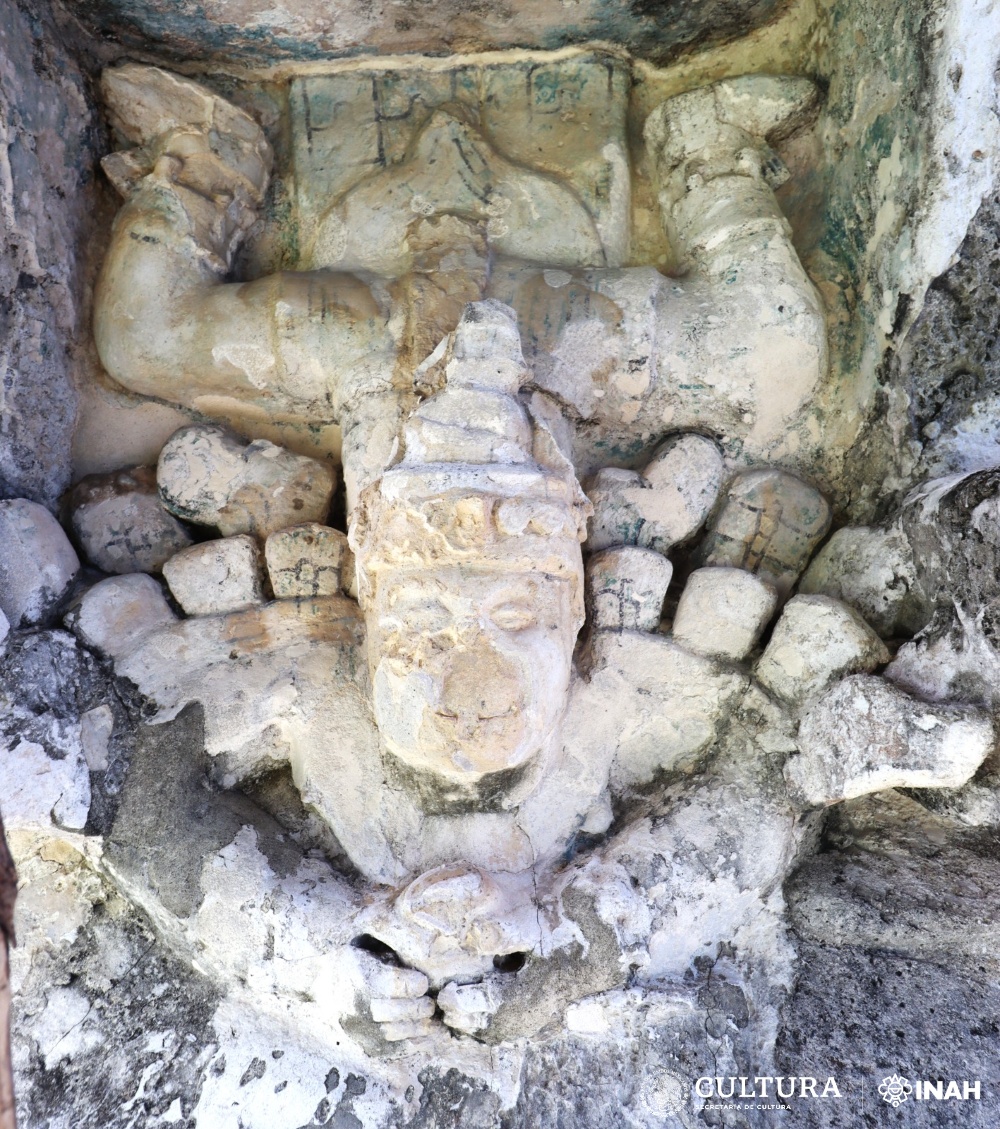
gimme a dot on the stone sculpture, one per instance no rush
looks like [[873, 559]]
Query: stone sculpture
[[493, 692], [443, 730]]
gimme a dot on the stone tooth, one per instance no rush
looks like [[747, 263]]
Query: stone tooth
[[685, 474], [118, 613], [815, 642], [308, 560], [37, 562], [210, 477], [217, 577], [722, 612], [873, 571], [662, 506], [121, 523], [866, 735], [769, 524], [626, 588], [616, 519]]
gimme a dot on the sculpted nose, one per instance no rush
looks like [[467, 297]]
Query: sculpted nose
[[480, 683]]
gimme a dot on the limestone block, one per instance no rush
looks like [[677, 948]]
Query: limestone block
[[816, 641], [121, 524], [37, 562], [866, 735], [685, 474], [872, 570], [769, 525], [951, 660], [308, 560], [4, 628], [663, 505], [117, 614], [217, 576], [626, 588], [722, 612], [207, 476]]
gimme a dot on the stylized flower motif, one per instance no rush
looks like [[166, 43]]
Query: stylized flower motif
[[894, 1090]]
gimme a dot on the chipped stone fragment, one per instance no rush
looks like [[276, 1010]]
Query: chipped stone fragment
[[308, 560], [722, 612], [37, 562], [117, 614], [663, 505], [873, 571], [210, 477], [121, 523], [769, 524], [626, 588], [96, 727], [816, 641], [866, 735], [217, 576]]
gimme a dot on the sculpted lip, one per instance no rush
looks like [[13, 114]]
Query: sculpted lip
[[449, 715]]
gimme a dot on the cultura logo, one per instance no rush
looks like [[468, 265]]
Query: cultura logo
[[894, 1090]]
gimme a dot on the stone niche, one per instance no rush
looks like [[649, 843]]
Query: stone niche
[[483, 644]]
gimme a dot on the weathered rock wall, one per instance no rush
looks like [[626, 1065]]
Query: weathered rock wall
[[257, 31], [49, 200]]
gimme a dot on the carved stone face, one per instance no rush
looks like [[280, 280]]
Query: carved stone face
[[470, 667]]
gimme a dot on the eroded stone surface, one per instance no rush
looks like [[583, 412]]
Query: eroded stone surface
[[53, 215], [620, 831], [670, 705], [207, 476], [722, 612], [218, 576], [815, 642], [121, 524], [37, 562], [866, 735]]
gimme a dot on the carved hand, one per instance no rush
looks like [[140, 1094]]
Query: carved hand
[[469, 1008], [396, 997]]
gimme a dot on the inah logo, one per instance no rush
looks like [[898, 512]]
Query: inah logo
[[894, 1090]]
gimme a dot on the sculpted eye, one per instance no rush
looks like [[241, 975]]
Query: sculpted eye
[[513, 617], [425, 619]]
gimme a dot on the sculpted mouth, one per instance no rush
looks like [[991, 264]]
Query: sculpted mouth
[[450, 715]]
